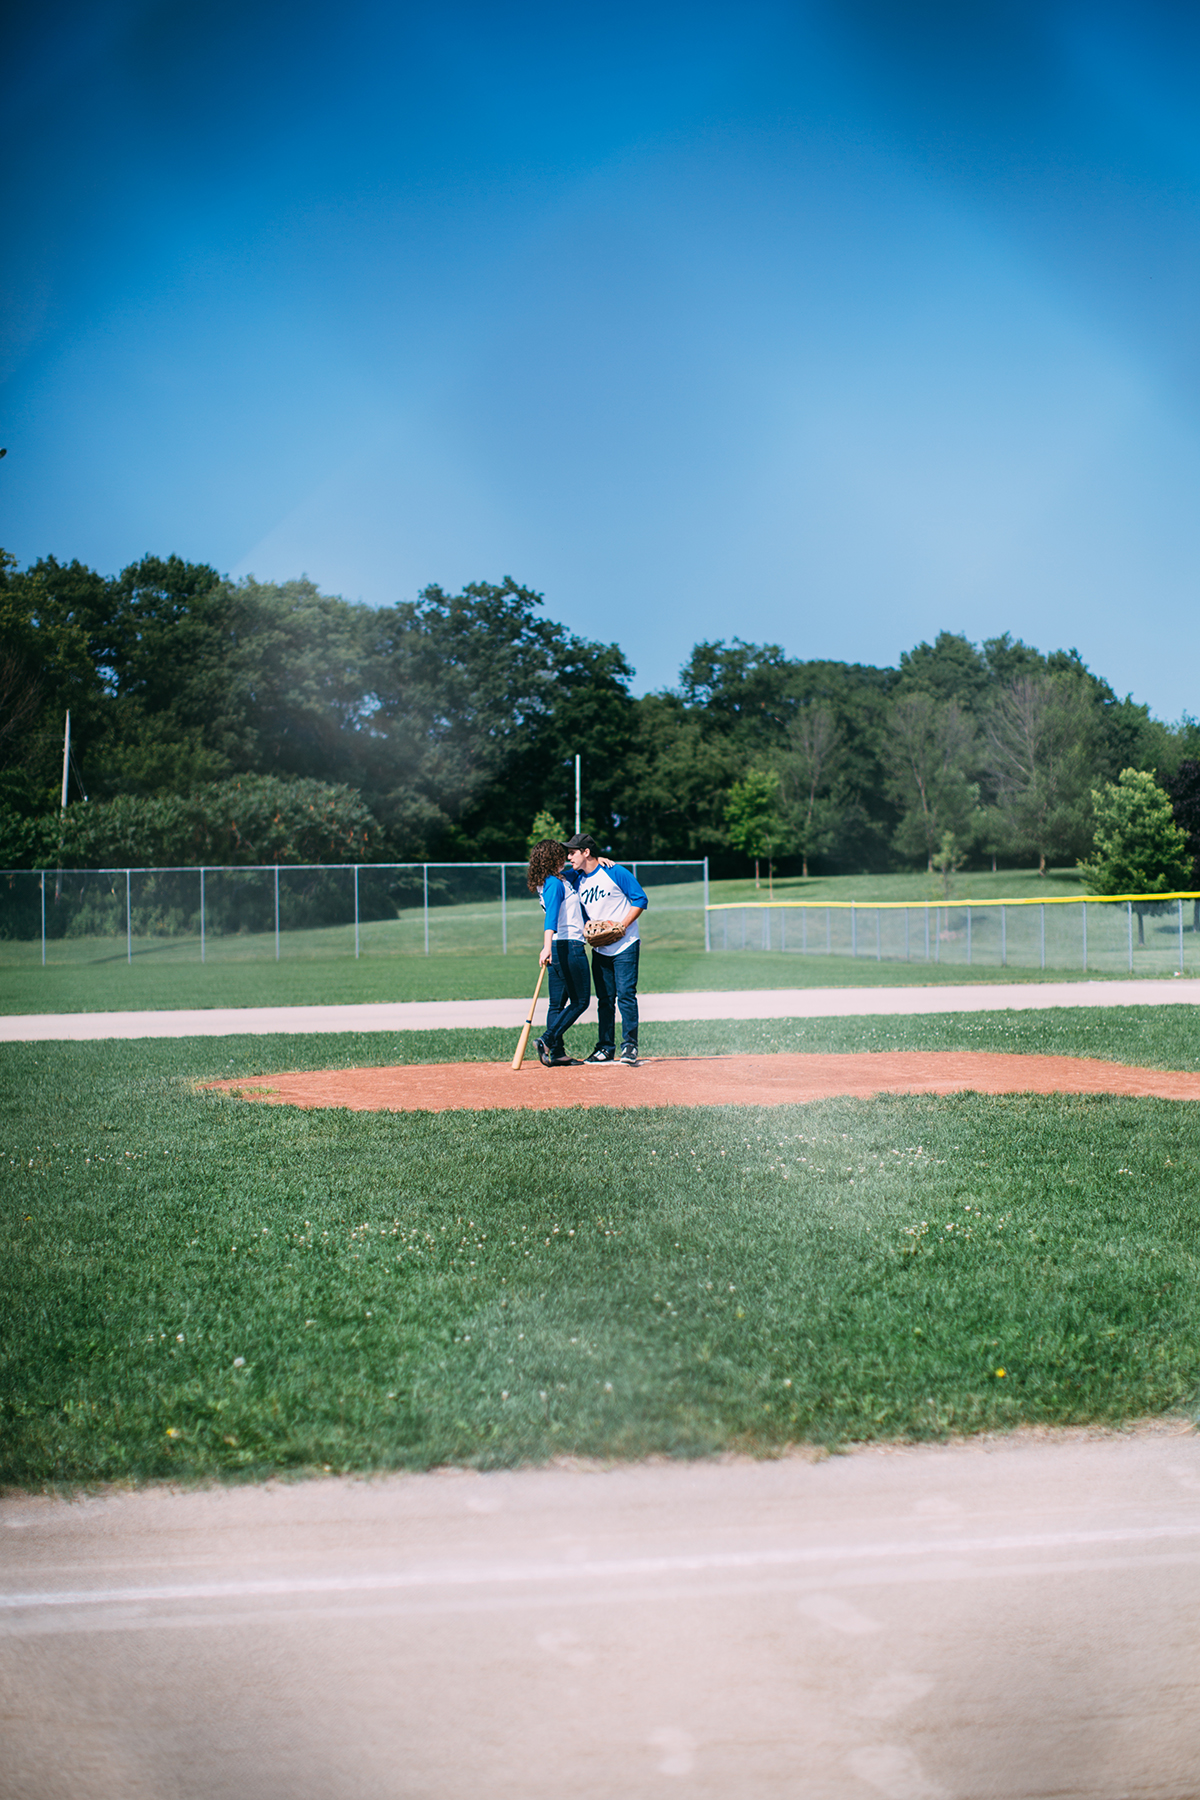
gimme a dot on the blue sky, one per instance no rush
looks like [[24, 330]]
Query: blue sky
[[829, 325]]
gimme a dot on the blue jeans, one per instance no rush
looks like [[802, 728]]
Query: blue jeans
[[570, 990], [616, 985]]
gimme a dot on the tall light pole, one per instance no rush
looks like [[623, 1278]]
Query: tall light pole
[[578, 827], [62, 823]]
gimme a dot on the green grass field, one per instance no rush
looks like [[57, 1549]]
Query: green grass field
[[328, 980], [913, 886], [196, 1286]]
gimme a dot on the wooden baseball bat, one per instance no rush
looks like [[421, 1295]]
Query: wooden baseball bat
[[519, 1058]]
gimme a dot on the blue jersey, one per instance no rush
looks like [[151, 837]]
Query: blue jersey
[[560, 903], [608, 894]]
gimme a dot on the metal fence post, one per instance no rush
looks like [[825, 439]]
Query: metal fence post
[[968, 937], [804, 930], [766, 928], [878, 934], [128, 921], [1129, 922], [937, 934], [907, 941], [1042, 910], [1003, 938], [707, 924], [828, 935], [927, 931], [1179, 904], [783, 929], [425, 892], [853, 929], [503, 910], [276, 912], [43, 918], [356, 912], [202, 915], [1083, 916]]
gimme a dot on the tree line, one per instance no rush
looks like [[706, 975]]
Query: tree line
[[250, 721]]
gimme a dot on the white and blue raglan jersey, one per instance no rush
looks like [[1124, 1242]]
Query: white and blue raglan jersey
[[608, 894], [560, 903]]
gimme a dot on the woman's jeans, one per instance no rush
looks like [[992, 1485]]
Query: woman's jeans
[[570, 990], [616, 985]]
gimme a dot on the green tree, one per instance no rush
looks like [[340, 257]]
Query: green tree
[[746, 690], [544, 826], [740, 706], [950, 668], [1007, 657], [673, 779], [1137, 848], [249, 819], [1180, 743], [48, 614], [808, 766], [484, 703], [854, 814], [947, 861], [1042, 747], [233, 677], [456, 716], [1183, 790], [934, 747], [755, 821]]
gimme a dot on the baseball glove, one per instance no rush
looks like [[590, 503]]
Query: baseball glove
[[599, 933]]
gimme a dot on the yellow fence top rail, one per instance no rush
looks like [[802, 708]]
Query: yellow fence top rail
[[948, 905]]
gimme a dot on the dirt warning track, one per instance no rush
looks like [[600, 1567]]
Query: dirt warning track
[[778, 1080]]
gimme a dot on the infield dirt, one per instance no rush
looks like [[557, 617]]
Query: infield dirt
[[777, 1080]]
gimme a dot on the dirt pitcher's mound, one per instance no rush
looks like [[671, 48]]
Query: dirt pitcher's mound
[[780, 1080]]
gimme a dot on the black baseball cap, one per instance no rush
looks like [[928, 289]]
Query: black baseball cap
[[582, 841]]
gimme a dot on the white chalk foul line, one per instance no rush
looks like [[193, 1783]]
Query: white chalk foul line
[[612, 1569]]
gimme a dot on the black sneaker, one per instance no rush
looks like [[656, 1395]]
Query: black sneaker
[[603, 1053], [629, 1055], [544, 1056], [561, 1061]]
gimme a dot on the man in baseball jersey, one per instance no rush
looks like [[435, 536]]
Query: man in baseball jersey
[[607, 891]]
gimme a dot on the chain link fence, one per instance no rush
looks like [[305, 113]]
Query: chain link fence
[[430, 909], [363, 909], [1153, 933]]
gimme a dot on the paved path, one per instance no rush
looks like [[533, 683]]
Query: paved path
[[1006, 1620], [755, 1003]]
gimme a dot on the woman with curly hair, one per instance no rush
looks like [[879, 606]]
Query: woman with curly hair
[[563, 950]]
